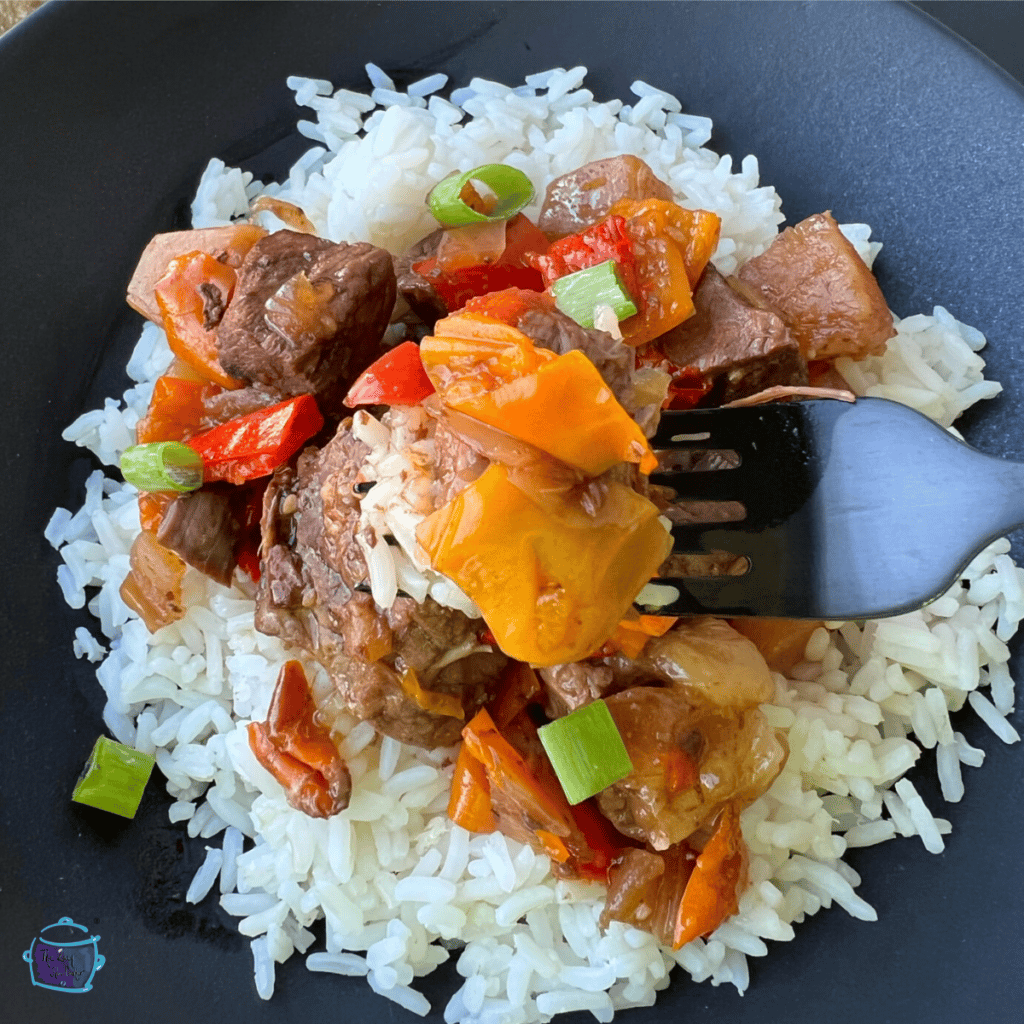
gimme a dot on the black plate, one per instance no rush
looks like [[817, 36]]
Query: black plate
[[109, 112]]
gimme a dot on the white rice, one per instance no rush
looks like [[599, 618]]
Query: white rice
[[390, 875]]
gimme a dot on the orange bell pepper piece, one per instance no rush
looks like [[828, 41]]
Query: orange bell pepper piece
[[672, 245], [695, 232], [559, 404], [552, 846], [552, 582], [431, 700], [566, 410], [470, 353], [175, 411], [470, 801], [631, 635], [712, 892], [195, 287], [507, 770]]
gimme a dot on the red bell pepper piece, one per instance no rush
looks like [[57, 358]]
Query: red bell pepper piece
[[298, 751], [688, 386], [512, 269], [254, 445], [248, 550], [397, 378], [607, 240], [604, 843]]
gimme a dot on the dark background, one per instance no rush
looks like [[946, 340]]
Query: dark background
[[109, 112]]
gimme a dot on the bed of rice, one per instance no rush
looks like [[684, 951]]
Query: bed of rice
[[395, 881]]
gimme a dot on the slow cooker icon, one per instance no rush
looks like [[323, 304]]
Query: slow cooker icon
[[60, 958]]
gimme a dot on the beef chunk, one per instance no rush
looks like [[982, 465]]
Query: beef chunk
[[308, 594], [203, 529], [423, 642], [584, 196], [568, 687], [311, 561], [417, 291], [307, 315], [739, 349], [550, 328], [812, 276]]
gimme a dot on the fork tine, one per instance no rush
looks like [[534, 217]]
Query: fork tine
[[712, 485], [694, 538], [728, 428], [718, 595]]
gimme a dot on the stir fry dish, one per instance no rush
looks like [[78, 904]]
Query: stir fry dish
[[523, 365], [375, 573]]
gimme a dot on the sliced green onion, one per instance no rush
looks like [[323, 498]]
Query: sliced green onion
[[586, 751], [513, 189], [113, 778], [578, 294], [162, 466]]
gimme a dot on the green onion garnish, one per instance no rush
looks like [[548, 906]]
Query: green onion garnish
[[512, 188], [577, 294], [113, 778], [162, 466], [586, 751]]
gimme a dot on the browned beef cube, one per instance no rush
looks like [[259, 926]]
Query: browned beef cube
[[739, 349], [812, 276], [307, 315], [417, 291], [309, 594]]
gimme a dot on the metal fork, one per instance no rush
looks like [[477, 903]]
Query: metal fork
[[854, 510]]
